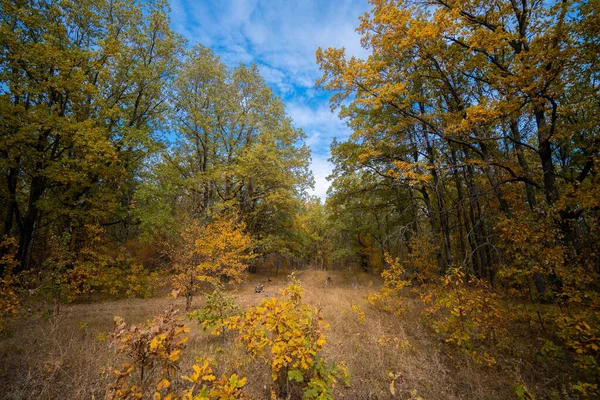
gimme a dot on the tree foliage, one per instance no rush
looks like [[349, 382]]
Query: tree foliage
[[215, 253], [235, 148], [474, 158], [83, 89]]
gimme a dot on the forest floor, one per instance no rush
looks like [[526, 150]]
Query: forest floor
[[62, 357]]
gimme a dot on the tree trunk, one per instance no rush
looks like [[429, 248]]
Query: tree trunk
[[516, 136], [37, 188], [436, 234], [460, 211], [545, 154], [476, 236]]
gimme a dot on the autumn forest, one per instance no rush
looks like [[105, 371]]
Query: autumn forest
[[159, 239]]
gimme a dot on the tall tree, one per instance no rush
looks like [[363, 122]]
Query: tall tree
[[476, 108], [82, 93], [235, 148]]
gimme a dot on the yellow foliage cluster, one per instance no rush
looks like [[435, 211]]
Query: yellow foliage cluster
[[467, 314], [420, 262], [360, 315], [217, 252], [153, 352], [289, 334], [394, 280], [205, 386]]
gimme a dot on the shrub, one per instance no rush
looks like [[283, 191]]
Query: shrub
[[289, 335], [388, 296], [205, 385], [93, 268], [216, 310], [153, 352], [579, 332], [466, 315]]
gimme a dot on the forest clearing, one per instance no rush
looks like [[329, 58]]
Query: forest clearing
[[299, 199], [64, 356]]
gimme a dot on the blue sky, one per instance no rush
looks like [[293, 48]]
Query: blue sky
[[281, 37]]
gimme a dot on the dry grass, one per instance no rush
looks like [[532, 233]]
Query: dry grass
[[62, 357]]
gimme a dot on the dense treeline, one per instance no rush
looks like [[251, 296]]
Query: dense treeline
[[83, 95], [474, 159], [117, 135], [236, 148], [474, 124]]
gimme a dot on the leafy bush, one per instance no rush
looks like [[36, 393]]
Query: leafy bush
[[215, 312], [93, 268], [205, 385], [153, 352], [388, 296], [466, 315], [579, 333], [289, 335]]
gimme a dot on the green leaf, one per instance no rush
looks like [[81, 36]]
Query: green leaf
[[295, 375]]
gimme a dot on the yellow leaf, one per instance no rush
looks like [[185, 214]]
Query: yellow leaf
[[183, 340], [163, 384], [154, 344], [174, 356]]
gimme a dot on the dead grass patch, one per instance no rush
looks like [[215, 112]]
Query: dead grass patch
[[62, 357]]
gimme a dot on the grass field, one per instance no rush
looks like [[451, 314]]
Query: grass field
[[61, 357]]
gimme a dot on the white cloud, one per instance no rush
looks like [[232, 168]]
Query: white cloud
[[321, 169], [235, 54], [241, 10], [285, 34], [318, 119], [313, 139], [321, 126], [277, 78]]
